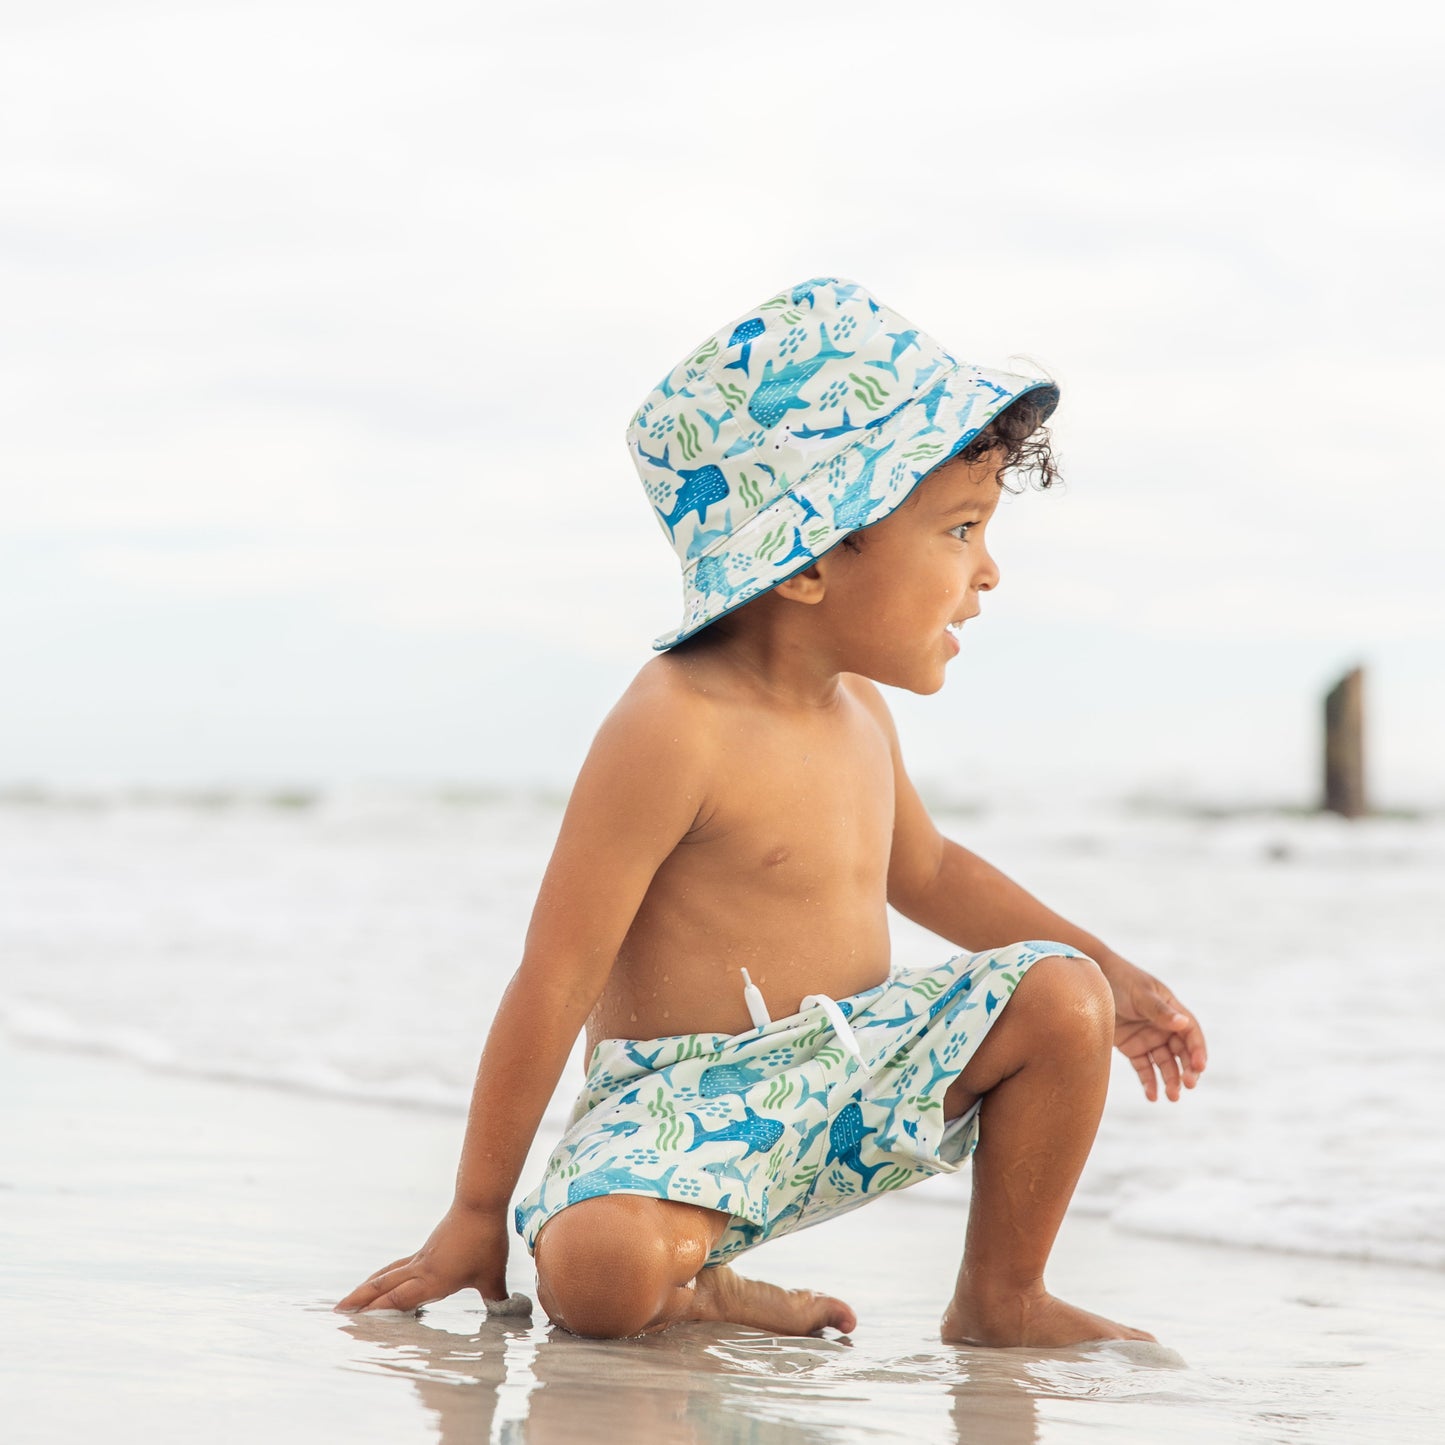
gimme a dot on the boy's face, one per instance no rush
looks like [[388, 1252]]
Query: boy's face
[[890, 604]]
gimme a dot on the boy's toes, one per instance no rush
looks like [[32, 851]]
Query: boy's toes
[[727, 1297]]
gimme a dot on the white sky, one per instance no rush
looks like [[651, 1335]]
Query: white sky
[[322, 324]]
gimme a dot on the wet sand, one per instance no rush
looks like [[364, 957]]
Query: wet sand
[[170, 1249]]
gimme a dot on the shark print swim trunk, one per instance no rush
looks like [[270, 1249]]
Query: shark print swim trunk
[[785, 1125]]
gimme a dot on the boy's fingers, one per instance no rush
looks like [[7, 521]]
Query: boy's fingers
[[384, 1279], [1168, 1068], [1177, 1020], [358, 1299], [410, 1294], [1180, 1049], [1145, 1070]]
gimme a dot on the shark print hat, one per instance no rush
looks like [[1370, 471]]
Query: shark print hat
[[809, 417]]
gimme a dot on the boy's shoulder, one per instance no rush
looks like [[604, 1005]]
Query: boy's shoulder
[[703, 694]]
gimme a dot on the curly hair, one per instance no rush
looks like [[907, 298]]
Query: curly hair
[[1018, 431]]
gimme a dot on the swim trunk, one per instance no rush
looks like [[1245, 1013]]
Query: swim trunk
[[783, 1126]]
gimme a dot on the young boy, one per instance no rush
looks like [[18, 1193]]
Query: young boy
[[827, 474]]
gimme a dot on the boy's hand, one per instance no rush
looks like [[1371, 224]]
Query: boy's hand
[[468, 1249], [1154, 1031]]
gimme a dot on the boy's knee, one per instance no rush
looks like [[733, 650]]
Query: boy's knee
[[604, 1269], [1072, 998]]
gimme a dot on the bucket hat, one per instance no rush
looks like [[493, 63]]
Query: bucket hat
[[811, 416]]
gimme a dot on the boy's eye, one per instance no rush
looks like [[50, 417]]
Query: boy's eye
[[961, 531]]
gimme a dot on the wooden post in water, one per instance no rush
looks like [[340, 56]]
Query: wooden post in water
[[1345, 746]]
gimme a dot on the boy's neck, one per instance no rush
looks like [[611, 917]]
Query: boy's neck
[[784, 665]]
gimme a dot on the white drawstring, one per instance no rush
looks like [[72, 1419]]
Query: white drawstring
[[838, 1019], [757, 1009], [758, 1012]]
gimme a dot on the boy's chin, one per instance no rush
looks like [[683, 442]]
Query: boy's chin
[[923, 685]]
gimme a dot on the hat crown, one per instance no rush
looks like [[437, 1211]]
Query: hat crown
[[736, 424], [809, 417]]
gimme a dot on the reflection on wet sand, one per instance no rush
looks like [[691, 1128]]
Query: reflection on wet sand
[[511, 1379]]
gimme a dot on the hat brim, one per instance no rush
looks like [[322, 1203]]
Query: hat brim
[[923, 430]]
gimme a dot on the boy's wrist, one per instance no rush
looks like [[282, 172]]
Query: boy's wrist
[[480, 1206], [1109, 962]]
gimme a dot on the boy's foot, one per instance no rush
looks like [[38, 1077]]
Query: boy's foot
[[1038, 1320], [725, 1297]]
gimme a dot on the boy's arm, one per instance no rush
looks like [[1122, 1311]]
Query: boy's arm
[[638, 794], [962, 898]]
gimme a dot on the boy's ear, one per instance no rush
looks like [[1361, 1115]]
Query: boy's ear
[[806, 586]]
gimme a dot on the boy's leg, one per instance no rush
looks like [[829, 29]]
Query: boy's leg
[[1042, 1073], [626, 1264]]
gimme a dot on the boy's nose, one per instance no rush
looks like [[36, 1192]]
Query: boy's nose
[[987, 577]]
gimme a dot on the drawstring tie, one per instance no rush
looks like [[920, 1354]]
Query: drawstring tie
[[758, 1012]]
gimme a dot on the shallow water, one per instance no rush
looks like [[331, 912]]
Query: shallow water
[[356, 945], [170, 1249]]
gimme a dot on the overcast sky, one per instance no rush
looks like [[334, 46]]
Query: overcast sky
[[314, 311]]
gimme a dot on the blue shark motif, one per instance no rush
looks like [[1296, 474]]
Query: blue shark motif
[[809, 1093], [752, 1129], [793, 1211], [777, 392], [906, 1017], [703, 541], [941, 1073], [714, 422], [741, 446], [745, 332], [712, 576], [798, 550], [621, 1129], [616, 1181], [808, 509], [806, 1136], [701, 488], [960, 422], [843, 290], [852, 509], [932, 399], [901, 340], [728, 1079], [522, 1217], [661, 461], [962, 985], [643, 1061], [990, 1004], [846, 1139], [826, 432], [726, 1169]]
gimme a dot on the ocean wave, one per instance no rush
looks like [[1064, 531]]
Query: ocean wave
[[1407, 1228], [41, 1025]]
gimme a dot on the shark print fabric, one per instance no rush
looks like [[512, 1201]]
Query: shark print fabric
[[809, 417], [782, 1127]]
